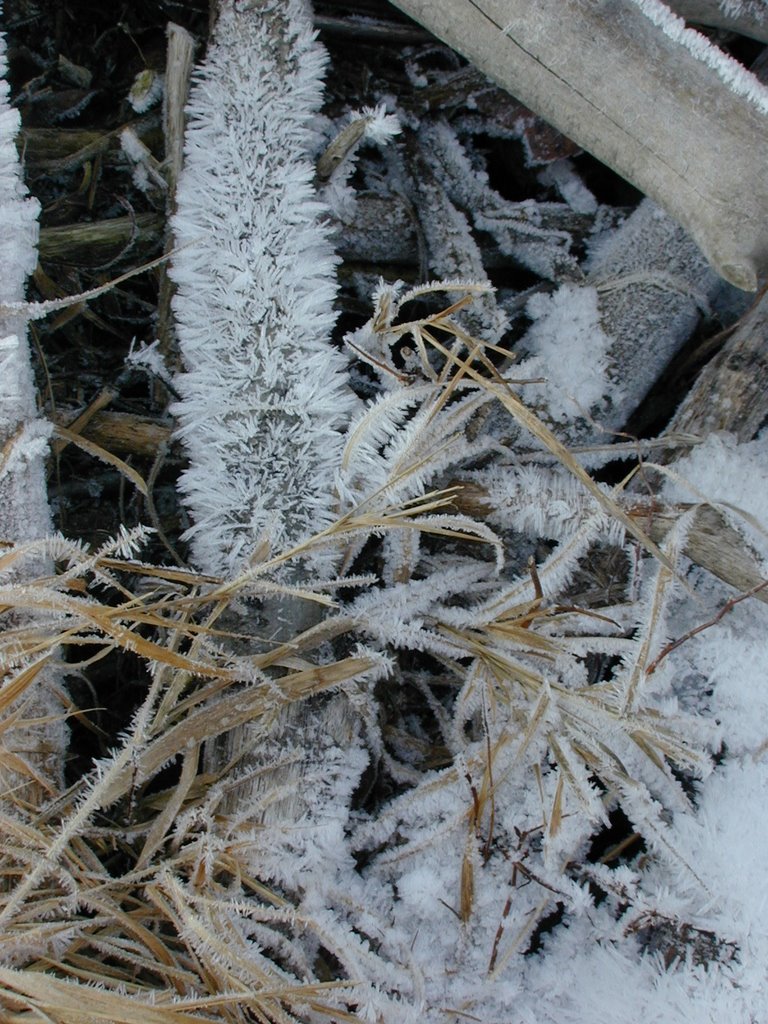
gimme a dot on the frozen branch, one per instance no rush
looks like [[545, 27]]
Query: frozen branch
[[264, 397]]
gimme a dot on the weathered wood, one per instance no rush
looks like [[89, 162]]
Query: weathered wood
[[643, 103], [731, 392], [178, 70], [121, 432], [38, 146], [93, 244], [56, 150], [711, 543]]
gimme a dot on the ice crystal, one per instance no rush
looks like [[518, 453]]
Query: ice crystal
[[264, 399]]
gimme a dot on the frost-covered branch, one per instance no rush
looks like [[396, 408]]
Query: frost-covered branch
[[264, 398]]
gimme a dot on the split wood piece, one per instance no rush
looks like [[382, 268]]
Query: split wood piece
[[178, 69], [748, 18], [99, 242], [653, 284], [639, 100], [120, 432], [731, 392], [712, 543]]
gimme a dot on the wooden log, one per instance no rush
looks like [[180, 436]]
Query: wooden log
[[731, 393], [39, 146], [56, 150], [711, 543], [121, 432], [636, 95]]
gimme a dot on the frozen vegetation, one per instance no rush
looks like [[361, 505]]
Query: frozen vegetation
[[442, 524]]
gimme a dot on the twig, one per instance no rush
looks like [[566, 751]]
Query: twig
[[727, 607]]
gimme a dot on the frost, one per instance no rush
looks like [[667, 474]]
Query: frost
[[24, 513], [146, 91], [564, 177], [264, 398], [733, 74], [653, 284], [726, 471], [380, 127], [519, 229], [23, 504], [517, 720], [569, 348], [148, 357]]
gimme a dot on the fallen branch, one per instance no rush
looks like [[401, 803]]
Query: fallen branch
[[653, 100]]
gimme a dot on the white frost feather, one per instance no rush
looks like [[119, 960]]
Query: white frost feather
[[264, 398]]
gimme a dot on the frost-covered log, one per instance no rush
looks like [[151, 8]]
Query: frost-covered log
[[601, 344], [731, 392], [649, 97], [24, 514]]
